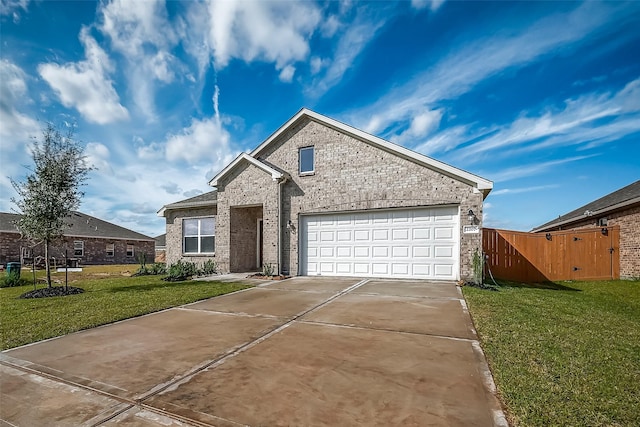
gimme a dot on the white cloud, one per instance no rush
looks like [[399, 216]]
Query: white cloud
[[132, 25], [355, 39], [521, 190], [532, 169], [579, 122], [286, 75], [330, 26], [13, 8], [471, 64], [15, 127], [275, 32], [141, 31], [433, 5], [85, 85], [204, 141], [316, 65], [98, 157], [422, 124]]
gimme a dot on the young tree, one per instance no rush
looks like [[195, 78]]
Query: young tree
[[50, 194]]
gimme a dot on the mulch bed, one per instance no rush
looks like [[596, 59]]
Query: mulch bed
[[54, 291], [263, 277]]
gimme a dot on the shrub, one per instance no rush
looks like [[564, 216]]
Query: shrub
[[268, 270], [11, 280], [209, 267], [181, 270]]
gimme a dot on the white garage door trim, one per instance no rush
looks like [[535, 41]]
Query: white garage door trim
[[411, 243]]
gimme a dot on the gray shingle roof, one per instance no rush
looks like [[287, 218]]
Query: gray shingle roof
[[206, 199], [161, 240], [82, 225], [624, 196]]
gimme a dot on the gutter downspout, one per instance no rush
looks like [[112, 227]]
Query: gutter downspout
[[281, 181]]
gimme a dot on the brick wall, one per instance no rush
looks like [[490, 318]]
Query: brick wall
[[629, 222], [10, 244], [247, 186], [95, 250], [174, 235], [349, 175]]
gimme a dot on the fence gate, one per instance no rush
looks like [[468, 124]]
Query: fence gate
[[585, 254]]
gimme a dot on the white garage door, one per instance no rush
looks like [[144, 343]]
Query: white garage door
[[411, 243]]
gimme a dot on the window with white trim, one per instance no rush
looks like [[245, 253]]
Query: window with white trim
[[78, 248], [129, 249], [111, 249], [199, 235], [306, 160]]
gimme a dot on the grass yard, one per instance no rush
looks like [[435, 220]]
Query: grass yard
[[564, 355], [110, 295]]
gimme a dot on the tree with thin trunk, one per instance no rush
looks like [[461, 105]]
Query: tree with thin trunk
[[51, 192]]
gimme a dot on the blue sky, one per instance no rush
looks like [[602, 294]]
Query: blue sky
[[543, 98]]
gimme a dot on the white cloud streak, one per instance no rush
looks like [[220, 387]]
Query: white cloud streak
[[461, 71], [520, 190], [579, 123], [517, 172]]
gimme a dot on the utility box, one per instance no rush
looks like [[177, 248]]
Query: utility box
[[14, 268]]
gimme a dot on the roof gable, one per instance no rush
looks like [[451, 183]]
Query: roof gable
[[478, 182], [244, 157], [621, 198], [209, 198]]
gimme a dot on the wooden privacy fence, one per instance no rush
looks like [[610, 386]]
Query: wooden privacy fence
[[585, 254]]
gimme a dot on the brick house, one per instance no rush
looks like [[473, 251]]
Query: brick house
[[89, 240], [319, 197], [621, 208]]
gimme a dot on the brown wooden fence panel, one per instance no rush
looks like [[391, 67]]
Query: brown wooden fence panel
[[586, 254]]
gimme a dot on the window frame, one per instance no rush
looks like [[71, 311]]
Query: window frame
[[313, 160], [113, 249], [199, 236], [132, 250], [76, 250]]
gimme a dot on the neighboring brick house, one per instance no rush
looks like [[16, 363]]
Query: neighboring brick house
[[319, 197], [89, 240], [621, 208], [161, 248]]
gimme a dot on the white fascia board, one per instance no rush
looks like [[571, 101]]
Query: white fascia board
[[161, 211], [480, 183], [275, 175]]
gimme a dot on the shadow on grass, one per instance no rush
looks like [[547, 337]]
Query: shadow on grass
[[552, 286], [152, 286]]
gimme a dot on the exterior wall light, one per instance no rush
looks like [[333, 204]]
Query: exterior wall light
[[472, 217], [548, 236]]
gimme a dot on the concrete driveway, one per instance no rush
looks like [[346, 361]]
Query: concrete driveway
[[301, 352]]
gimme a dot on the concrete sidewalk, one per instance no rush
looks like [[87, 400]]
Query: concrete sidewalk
[[304, 351]]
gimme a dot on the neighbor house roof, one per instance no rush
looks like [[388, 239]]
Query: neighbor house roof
[[161, 240], [82, 225], [202, 200], [479, 183], [619, 199]]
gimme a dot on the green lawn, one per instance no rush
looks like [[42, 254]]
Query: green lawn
[[564, 355], [109, 296]]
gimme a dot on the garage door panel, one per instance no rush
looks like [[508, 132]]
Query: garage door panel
[[443, 233], [361, 234], [344, 235], [380, 252], [400, 252], [443, 251], [421, 243]]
